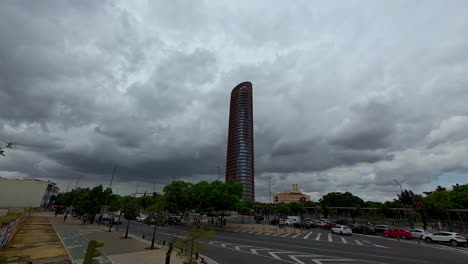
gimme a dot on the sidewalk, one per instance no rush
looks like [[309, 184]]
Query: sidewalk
[[36, 241], [75, 236]]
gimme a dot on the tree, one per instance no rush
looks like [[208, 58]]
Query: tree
[[177, 195], [146, 201], [192, 243], [158, 215], [200, 200], [459, 196], [89, 202], [224, 196], [130, 208], [437, 203]]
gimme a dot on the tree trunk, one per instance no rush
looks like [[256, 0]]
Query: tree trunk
[[169, 252], [154, 234], [128, 225]]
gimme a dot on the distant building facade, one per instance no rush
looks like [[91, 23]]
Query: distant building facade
[[27, 193], [291, 196], [240, 146]]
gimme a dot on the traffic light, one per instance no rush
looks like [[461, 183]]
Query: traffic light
[[91, 252]]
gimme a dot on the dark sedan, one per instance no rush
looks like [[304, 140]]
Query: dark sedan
[[366, 230]]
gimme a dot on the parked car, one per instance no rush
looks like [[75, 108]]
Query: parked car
[[398, 232], [342, 230], [319, 224], [306, 223], [328, 226], [381, 228], [141, 218], [418, 233], [454, 239], [366, 230], [173, 220]]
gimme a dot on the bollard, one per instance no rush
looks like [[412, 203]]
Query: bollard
[[143, 236], [196, 255], [164, 242]]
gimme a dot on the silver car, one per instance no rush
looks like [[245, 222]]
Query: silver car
[[418, 233]]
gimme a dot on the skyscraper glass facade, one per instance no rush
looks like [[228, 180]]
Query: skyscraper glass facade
[[240, 148]]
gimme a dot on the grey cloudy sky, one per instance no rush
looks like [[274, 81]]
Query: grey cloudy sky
[[348, 95]]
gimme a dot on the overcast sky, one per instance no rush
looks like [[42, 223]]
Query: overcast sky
[[348, 95]]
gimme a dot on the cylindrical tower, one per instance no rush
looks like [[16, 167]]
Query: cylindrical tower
[[240, 147]]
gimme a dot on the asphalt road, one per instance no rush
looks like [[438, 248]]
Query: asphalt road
[[313, 246]]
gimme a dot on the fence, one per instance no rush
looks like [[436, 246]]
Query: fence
[[12, 228]]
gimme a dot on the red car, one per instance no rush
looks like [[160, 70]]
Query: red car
[[328, 226], [397, 232]]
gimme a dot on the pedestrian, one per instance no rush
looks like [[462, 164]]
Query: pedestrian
[[212, 221], [224, 222], [65, 215]]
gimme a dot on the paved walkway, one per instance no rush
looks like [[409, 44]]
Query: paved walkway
[[36, 241], [116, 250]]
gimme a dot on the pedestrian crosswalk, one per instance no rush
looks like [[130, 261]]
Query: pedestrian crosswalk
[[317, 235], [284, 255]]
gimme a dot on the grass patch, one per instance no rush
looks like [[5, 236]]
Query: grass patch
[[9, 217]]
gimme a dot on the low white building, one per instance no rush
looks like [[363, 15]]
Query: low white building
[[26, 193]]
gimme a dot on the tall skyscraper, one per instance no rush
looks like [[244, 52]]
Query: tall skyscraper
[[240, 147]]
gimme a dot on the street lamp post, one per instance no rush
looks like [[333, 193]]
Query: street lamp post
[[219, 173], [406, 208], [107, 198]]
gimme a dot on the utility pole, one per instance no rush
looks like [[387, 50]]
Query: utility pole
[[269, 195], [77, 180], [67, 187]]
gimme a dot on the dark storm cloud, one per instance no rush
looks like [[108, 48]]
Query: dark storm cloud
[[355, 95], [371, 127]]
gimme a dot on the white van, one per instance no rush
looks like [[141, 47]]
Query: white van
[[292, 220]]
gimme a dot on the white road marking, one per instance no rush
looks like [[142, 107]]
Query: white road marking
[[330, 238], [344, 240], [250, 232], [285, 235], [319, 261], [254, 250], [295, 258], [307, 235], [267, 234], [359, 243], [375, 245], [318, 236], [273, 254], [259, 233], [238, 247], [295, 236], [276, 234]]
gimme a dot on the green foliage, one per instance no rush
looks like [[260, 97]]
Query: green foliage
[[177, 195], [130, 207], [192, 243], [157, 213], [459, 196], [146, 201], [338, 199]]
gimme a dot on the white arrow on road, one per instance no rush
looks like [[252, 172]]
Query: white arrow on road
[[273, 254]]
